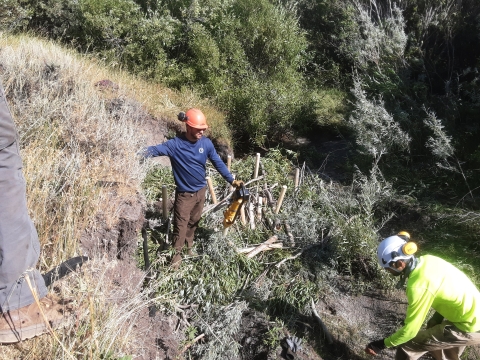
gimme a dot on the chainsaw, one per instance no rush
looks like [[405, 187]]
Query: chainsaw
[[240, 197]]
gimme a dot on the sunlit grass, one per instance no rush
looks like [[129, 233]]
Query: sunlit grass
[[454, 235]]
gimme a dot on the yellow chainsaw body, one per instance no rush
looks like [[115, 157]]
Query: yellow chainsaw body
[[240, 196]]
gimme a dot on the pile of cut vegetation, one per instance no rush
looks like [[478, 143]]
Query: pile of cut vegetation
[[299, 239]]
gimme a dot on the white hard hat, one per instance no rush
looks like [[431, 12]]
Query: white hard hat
[[392, 249]]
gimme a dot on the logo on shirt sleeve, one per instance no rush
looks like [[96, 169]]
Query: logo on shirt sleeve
[[200, 150]]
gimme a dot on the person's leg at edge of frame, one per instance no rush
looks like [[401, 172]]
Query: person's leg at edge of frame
[[451, 353], [441, 354], [184, 203], [19, 245], [195, 216], [443, 342]]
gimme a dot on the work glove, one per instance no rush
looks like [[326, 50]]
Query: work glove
[[375, 347], [294, 343], [237, 183]]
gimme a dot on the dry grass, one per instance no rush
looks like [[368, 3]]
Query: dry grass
[[72, 140], [103, 324], [69, 140]]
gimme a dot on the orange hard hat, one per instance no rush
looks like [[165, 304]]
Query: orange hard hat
[[194, 118]]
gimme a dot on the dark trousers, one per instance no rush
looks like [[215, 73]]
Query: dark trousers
[[19, 245], [187, 213]]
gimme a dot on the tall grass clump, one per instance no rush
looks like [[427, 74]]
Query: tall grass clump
[[342, 219], [70, 140], [381, 39], [440, 145], [221, 325]]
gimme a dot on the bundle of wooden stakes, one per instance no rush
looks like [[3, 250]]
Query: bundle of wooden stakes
[[261, 210]]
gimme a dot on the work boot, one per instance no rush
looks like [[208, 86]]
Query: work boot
[[176, 261], [190, 252], [28, 321]]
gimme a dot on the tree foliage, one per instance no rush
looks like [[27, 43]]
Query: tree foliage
[[265, 62], [248, 55]]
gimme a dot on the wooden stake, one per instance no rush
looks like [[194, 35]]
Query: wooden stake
[[212, 192], [257, 163], [297, 177], [242, 215], [251, 216], [231, 187], [259, 208], [229, 162], [145, 250], [280, 199], [164, 203]]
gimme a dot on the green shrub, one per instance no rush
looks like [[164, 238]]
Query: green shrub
[[248, 55], [13, 16], [376, 131]]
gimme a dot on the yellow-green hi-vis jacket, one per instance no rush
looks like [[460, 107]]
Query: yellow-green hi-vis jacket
[[438, 284]]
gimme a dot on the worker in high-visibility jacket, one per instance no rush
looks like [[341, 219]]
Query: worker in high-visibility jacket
[[431, 283]]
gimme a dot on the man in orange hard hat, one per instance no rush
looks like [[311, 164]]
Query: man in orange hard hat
[[20, 314], [188, 154]]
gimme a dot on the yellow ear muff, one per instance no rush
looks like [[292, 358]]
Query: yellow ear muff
[[409, 248], [404, 233]]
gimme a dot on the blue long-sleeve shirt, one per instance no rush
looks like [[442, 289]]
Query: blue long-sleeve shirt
[[189, 160]]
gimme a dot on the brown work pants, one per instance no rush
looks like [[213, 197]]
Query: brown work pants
[[443, 341], [186, 215]]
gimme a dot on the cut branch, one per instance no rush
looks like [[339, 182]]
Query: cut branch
[[185, 348], [295, 256], [271, 203], [266, 248], [289, 233], [262, 246], [289, 258]]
